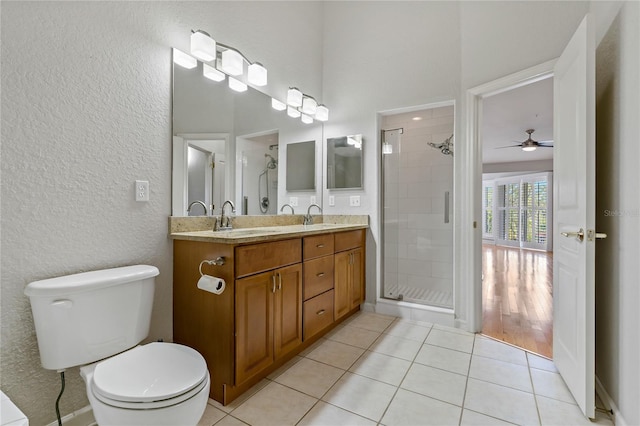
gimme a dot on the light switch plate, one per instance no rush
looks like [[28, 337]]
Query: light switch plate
[[312, 199], [332, 200], [293, 201], [354, 201]]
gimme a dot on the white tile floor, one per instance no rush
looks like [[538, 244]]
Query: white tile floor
[[376, 369]]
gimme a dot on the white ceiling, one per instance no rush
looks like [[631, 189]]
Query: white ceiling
[[507, 115]]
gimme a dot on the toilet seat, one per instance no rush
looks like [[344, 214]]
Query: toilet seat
[[155, 375]]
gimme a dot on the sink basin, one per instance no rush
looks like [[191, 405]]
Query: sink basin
[[243, 232]]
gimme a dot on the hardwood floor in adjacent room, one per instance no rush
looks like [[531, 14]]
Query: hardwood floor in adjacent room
[[517, 299]]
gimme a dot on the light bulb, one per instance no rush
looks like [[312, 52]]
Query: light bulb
[[237, 85], [306, 119], [232, 62], [277, 105], [528, 148], [322, 113], [292, 112], [294, 97], [257, 74], [211, 73], [184, 60], [309, 105], [202, 46]]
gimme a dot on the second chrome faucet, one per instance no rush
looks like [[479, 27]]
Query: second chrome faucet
[[224, 224], [308, 219]]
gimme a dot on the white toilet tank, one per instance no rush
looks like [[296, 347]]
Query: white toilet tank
[[86, 317]]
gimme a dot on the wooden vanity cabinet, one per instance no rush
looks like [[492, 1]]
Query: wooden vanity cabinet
[[348, 272], [280, 297], [268, 319]]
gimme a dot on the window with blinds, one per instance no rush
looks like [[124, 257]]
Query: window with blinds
[[487, 210], [523, 213]]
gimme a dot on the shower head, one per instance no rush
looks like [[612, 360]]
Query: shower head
[[444, 147], [272, 163]]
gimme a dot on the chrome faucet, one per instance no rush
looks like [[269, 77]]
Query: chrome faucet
[[288, 205], [222, 225], [308, 220], [197, 202]]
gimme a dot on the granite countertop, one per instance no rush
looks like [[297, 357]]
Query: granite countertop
[[181, 230]]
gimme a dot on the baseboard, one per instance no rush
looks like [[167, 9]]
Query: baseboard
[[416, 312], [81, 417], [617, 418]]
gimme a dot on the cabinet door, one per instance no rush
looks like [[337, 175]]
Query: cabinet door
[[341, 276], [287, 326], [254, 324], [357, 278]]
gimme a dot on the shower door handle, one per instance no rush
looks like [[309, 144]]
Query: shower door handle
[[446, 207]]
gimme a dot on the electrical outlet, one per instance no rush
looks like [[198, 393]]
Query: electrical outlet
[[142, 190], [332, 200], [312, 199], [293, 201], [354, 201]]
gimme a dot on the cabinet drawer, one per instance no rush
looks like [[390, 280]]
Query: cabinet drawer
[[318, 245], [348, 240], [262, 257], [318, 276], [318, 313]]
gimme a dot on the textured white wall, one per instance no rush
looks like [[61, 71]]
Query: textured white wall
[[86, 110]]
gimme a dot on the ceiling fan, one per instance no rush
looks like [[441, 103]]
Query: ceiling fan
[[530, 144]]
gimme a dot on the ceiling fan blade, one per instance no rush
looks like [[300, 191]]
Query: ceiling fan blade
[[508, 146], [545, 146]]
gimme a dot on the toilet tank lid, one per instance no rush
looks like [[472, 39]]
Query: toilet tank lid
[[84, 281]]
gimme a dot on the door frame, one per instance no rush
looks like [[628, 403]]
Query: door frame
[[470, 242]]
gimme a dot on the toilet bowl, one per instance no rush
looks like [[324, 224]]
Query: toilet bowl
[[152, 384]]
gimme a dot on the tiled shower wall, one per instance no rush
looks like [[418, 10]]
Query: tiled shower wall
[[418, 244]]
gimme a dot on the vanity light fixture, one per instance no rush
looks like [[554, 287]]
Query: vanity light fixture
[[294, 97], [306, 119], [203, 46], [184, 60], [322, 113], [309, 105], [232, 62], [278, 105], [237, 85], [212, 74], [293, 112], [257, 74]]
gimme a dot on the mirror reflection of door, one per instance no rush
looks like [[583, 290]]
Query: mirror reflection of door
[[205, 176]]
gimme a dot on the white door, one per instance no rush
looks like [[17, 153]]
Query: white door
[[574, 201]]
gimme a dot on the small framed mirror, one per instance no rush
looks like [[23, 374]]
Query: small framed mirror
[[344, 162], [301, 166]]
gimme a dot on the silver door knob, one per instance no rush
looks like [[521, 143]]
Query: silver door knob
[[579, 235]]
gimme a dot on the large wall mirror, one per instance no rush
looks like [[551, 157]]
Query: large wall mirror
[[344, 162], [231, 146]]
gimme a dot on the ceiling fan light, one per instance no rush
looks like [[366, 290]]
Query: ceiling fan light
[[528, 148], [202, 46], [307, 119]]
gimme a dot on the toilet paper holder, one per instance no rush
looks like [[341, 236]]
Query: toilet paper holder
[[219, 261]]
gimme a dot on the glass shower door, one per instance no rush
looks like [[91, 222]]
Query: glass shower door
[[417, 237]]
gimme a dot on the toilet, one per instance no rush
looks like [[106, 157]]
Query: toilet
[[96, 320]]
